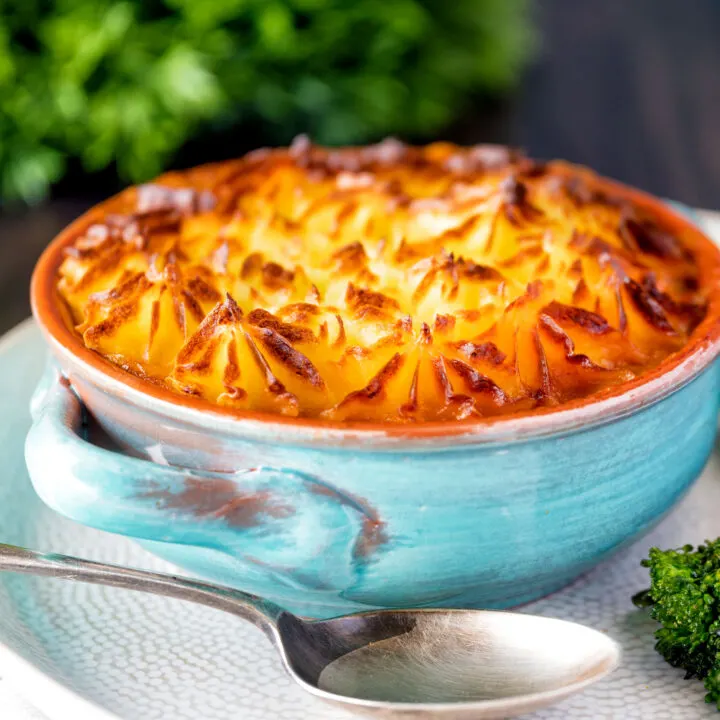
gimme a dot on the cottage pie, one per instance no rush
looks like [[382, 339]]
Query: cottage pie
[[387, 283]]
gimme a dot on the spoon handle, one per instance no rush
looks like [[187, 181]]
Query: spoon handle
[[260, 612]]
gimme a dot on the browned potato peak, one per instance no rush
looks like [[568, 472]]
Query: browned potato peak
[[387, 283]]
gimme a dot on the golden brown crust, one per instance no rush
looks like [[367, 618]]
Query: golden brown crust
[[386, 283]]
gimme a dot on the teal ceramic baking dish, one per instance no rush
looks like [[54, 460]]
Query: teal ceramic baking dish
[[326, 519]]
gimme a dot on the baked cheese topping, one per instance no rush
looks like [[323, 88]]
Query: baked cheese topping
[[386, 283]]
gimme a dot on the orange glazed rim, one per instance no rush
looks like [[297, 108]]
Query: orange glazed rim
[[608, 404]]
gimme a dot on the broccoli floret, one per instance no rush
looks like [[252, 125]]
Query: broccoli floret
[[684, 596]]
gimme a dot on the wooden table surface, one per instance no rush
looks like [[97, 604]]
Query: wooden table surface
[[629, 88]]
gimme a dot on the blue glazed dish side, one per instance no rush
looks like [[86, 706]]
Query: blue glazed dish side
[[330, 530]]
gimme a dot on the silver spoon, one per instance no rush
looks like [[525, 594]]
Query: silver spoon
[[457, 664]]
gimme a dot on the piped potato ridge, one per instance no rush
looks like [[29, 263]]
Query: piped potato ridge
[[387, 283]]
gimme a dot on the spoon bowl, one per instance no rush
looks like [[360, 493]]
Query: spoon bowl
[[452, 663], [458, 664]]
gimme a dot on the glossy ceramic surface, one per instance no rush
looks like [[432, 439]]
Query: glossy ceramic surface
[[94, 653], [328, 532], [345, 521]]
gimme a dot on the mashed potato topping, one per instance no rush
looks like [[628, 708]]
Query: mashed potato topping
[[387, 283]]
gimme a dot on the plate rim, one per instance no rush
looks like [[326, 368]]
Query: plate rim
[[57, 701]]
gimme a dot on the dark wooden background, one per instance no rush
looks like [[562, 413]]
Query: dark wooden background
[[629, 87]]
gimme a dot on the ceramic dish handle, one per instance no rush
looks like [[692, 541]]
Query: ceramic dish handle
[[276, 520]]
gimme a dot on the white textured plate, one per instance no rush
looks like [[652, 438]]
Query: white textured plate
[[81, 651]]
